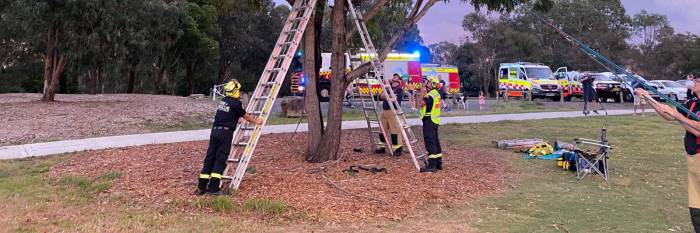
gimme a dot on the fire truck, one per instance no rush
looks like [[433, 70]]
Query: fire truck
[[406, 65], [447, 74]]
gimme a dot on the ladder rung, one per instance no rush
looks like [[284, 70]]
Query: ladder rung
[[414, 141], [262, 97], [274, 69], [256, 112], [293, 31], [367, 108], [233, 160], [297, 19], [268, 84], [242, 144], [227, 177]]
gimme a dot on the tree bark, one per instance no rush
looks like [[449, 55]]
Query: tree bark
[[223, 71], [312, 65], [131, 79], [191, 66], [54, 63], [330, 143]]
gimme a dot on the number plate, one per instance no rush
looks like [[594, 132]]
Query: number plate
[[550, 94]]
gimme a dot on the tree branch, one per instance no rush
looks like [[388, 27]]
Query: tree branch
[[367, 17], [410, 22], [415, 9]]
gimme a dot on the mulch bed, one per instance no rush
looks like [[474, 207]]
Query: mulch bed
[[158, 174], [25, 119]]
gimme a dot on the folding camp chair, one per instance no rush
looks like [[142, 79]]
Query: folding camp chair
[[588, 162]]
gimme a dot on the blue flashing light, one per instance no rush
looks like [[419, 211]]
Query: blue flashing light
[[416, 53]]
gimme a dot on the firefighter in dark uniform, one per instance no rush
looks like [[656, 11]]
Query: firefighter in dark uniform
[[229, 111], [430, 115], [691, 143]]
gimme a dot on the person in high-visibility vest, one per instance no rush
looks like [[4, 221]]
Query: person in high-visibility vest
[[229, 111], [430, 115]]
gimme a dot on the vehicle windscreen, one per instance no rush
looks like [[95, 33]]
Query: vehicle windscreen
[[601, 78], [672, 84], [539, 73]]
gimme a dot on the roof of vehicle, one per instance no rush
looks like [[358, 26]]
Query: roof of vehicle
[[524, 64]]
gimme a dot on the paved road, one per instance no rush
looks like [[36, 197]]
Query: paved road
[[68, 146]]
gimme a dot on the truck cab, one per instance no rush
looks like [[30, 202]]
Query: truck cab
[[569, 82], [523, 77]]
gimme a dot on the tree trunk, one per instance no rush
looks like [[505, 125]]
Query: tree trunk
[[131, 79], [312, 58], [223, 71], [191, 66], [54, 64], [328, 149]]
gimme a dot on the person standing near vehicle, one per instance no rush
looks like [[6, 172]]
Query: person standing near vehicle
[[691, 143], [229, 111], [589, 94], [429, 103], [639, 102], [689, 84], [411, 91]]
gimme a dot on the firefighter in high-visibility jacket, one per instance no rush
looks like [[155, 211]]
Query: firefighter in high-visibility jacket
[[430, 115], [229, 111]]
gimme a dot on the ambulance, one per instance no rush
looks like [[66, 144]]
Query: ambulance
[[521, 78], [569, 82]]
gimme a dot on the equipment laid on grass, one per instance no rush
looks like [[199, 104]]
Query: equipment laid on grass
[[593, 162], [369, 104], [246, 136], [517, 143]]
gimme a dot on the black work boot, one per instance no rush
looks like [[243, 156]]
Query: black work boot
[[380, 150], [214, 186], [398, 151], [383, 142], [431, 167], [439, 164], [202, 186]]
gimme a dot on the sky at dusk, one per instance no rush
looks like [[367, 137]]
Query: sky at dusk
[[444, 21]]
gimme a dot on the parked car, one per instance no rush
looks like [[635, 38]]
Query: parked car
[[672, 89], [607, 88], [627, 85]]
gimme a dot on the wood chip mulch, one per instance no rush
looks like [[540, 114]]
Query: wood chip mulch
[[158, 174]]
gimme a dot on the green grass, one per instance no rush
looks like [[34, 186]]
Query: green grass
[[265, 206], [646, 191], [222, 204]]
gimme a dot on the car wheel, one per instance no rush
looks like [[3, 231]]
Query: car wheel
[[568, 98], [324, 94], [627, 97], [674, 97]]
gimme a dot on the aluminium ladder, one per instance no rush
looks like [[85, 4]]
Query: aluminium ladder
[[415, 149], [246, 136]]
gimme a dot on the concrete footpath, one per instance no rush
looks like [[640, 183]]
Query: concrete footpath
[[68, 146]]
